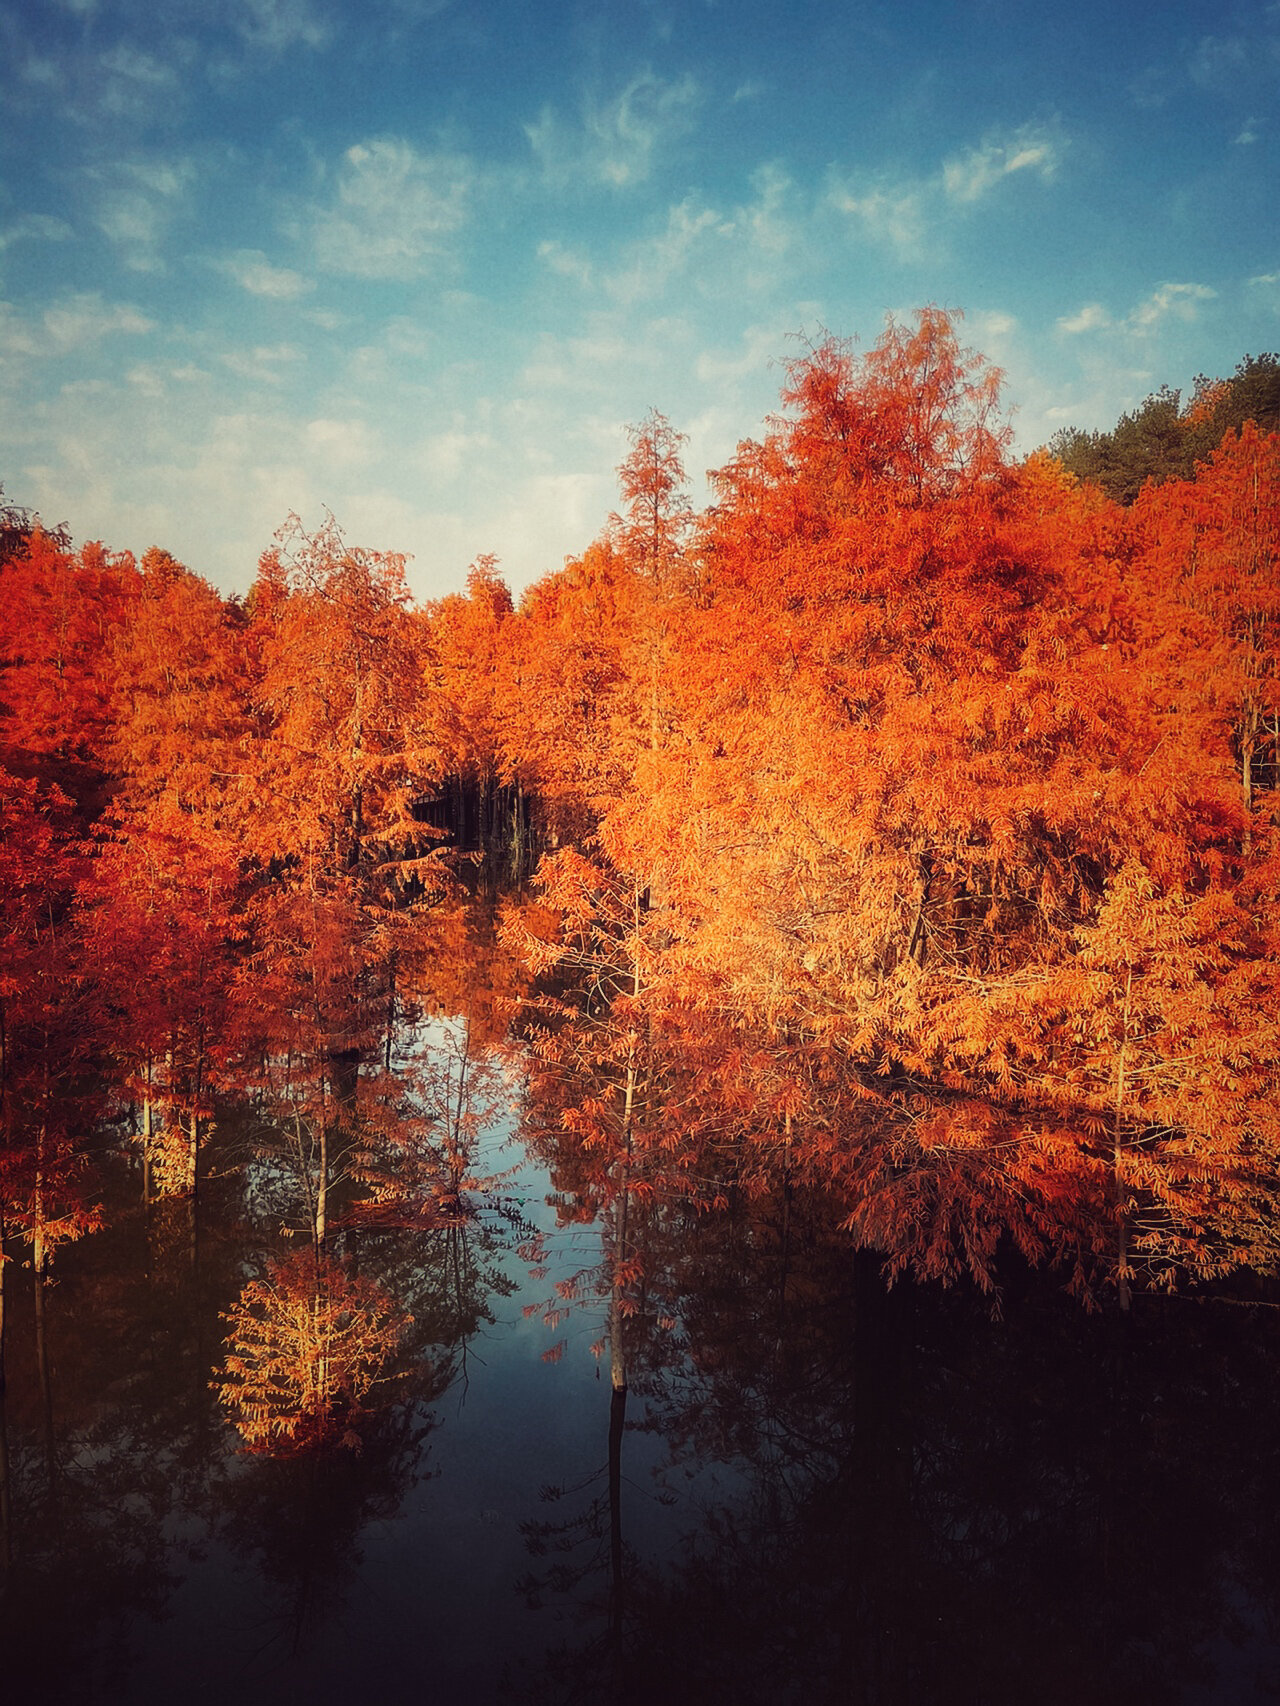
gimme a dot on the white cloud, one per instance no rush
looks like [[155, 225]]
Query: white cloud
[[617, 140], [900, 214], [85, 319], [968, 177], [135, 225], [447, 455], [890, 214], [394, 211], [565, 263], [278, 24], [994, 324], [342, 443], [1181, 301], [41, 73], [128, 83], [251, 270], [1217, 62], [757, 347], [139, 201], [261, 366], [74, 323], [1093, 317], [1249, 132], [765, 220], [1265, 278], [1167, 301], [34, 227], [167, 178], [700, 251], [655, 261], [137, 67]]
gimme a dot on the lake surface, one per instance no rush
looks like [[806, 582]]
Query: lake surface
[[825, 1490]]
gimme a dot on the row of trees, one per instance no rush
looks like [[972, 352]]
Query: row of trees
[[907, 817], [1163, 439], [935, 845]]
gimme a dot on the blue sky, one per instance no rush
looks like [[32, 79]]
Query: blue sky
[[421, 261]]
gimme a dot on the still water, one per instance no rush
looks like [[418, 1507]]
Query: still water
[[824, 1491]]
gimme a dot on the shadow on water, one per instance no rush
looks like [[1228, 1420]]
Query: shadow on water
[[927, 1505]]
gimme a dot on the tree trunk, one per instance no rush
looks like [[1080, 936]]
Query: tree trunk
[[148, 1137], [617, 1423], [46, 1383], [1117, 1148], [322, 1189], [193, 1152], [6, 1513]]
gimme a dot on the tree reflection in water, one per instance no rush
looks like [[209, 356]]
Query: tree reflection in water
[[307, 1349], [882, 1496]]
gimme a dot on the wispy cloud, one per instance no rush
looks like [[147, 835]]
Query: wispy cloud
[[1093, 317], [566, 263], [617, 140], [275, 25], [892, 215], [766, 220], [153, 378], [72, 324], [138, 201], [1218, 62], [34, 228], [393, 212], [699, 251], [655, 262], [900, 214], [967, 177], [262, 366], [341, 443], [1225, 66], [251, 270], [1167, 302], [129, 83]]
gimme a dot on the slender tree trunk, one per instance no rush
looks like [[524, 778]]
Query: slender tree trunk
[[322, 1188], [617, 1424], [46, 1382], [1121, 1204], [3, 1270], [391, 1013], [39, 1246], [148, 1135], [6, 1510], [357, 789], [193, 1152]]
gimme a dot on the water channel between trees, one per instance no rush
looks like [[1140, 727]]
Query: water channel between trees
[[609, 1443]]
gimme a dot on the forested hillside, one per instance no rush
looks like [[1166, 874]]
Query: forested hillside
[[912, 813]]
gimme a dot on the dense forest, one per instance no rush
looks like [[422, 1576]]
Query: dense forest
[[906, 822]]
